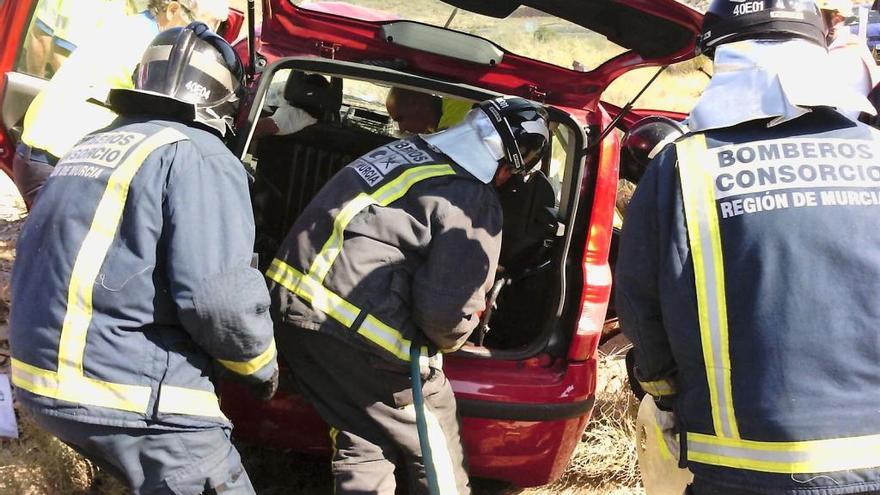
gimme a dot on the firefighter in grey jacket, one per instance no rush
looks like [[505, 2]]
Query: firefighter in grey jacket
[[403, 240], [132, 280], [748, 268]]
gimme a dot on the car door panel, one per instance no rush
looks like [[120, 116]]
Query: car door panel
[[19, 90], [14, 20]]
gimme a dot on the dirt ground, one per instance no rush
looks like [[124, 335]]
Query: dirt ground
[[37, 464]]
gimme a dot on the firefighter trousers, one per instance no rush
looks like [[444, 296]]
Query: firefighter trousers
[[30, 170], [157, 461], [367, 401]]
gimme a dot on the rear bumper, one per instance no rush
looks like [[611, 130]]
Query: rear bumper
[[520, 424]]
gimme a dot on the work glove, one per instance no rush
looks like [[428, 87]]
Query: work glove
[[666, 421], [265, 390]]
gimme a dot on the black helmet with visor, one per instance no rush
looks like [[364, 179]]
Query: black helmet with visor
[[195, 68], [522, 126], [727, 21]]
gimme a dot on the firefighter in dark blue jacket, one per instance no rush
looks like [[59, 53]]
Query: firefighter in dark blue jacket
[[133, 280], [749, 269]]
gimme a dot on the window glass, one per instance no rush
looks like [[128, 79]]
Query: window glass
[[527, 31], [59, 26], [677, 88]]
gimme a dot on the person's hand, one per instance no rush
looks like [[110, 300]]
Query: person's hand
[[264, 391], [666, 421]]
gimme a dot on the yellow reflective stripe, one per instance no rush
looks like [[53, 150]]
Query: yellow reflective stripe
[[192, 402], [92, 253], [810, 456], [339, 309], [705, 241], [665, 452], [659, 388], [328, 253], [385, 337], [80, 389], [333, 434], [310, 287], [253, 365], [385, 195], [68, 383], [34, 380], [312, 292], [134, 398]]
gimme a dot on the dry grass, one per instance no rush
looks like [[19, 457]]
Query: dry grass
[[38, 464], [605, 461]]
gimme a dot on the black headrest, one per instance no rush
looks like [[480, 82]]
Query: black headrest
[[313, 93]]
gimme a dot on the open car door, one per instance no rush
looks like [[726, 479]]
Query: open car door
[[17, 89]]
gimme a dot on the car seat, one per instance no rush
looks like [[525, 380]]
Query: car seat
[[292, 169]]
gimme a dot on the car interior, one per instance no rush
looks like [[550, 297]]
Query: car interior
[[289, 170]]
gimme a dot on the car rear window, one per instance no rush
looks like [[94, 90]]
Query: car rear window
[[527, 31]]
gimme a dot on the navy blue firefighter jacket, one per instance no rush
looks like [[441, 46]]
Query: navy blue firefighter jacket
[[747, 281], [133, 280]]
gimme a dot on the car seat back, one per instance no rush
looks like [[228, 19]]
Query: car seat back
[[292, 169]]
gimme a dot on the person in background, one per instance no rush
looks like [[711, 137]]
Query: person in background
[[133, 283], [419, 113], [748, 271], [70, 105], [850, 58], [288, 119]]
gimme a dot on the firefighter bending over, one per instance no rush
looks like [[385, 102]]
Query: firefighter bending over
[[133, 279], [748, 270], [405, 240]]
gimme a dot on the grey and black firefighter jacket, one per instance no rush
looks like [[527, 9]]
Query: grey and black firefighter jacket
[[133, 280], [747, 281], [400, 239]]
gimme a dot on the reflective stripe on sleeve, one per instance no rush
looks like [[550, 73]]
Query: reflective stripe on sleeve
[[659, 388], [811, 456], [251, 366], [705, 242]]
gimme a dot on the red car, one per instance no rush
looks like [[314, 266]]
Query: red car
[[525, 384]]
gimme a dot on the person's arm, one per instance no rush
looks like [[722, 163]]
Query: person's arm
[[222, 301], [637, 286], [449, 289]]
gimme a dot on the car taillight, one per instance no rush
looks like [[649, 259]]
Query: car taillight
[[597, 273]]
